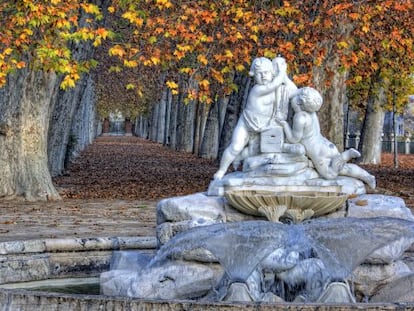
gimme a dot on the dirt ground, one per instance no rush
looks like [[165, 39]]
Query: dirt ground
[[113, 187]]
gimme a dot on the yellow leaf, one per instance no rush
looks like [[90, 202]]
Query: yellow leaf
[[130, 63], [155, 60], [204, 84], [130, 86], [202, 59], [111, 9], [228, 54], [117, 51], [269, 54], [8, 51], [217, 75], [186, 70], [67, 82], [240, 67], [342, 45], [171, 84]]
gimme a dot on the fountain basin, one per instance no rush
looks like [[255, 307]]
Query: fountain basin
[[20, 259], [295, 206]]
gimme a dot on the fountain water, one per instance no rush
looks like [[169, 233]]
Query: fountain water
[[301, 262]]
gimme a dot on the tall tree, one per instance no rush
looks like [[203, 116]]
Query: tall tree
[[35, 59]]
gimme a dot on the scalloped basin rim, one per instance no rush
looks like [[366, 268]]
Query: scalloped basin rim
[[322, 203]]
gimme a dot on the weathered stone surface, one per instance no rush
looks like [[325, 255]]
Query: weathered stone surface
[[401, 290], [368, 279], [233, 215], [190, 207], [390, 252], [348, 185], [166, 230], [375, 205], [174, 280], [24, 268], [11, 300]]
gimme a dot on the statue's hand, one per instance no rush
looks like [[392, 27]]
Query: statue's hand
[[282, 122]]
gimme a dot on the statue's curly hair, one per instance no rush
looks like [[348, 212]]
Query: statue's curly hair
[[310, 98], [261, 62]]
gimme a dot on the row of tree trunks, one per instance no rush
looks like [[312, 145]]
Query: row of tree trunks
[[26, 104], [67, 104], [206, 130], [203, 129], [85, 126]]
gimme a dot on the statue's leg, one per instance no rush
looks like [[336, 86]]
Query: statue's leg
[[355, 171], [324, 167], [339, 161], [350, 154], [239, 140]]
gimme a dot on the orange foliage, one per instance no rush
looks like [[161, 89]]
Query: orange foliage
[[208, 40], [38, 33], [216, 38]]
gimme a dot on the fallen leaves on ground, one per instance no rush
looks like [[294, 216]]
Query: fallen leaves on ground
[[118, 167], [395, 181]]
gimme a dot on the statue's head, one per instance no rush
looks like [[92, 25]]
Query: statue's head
[[262, 70], [309, 99]]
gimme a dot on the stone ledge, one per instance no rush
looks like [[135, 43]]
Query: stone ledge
[[76, 244], [25, 301]]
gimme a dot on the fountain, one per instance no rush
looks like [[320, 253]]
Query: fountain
[[328, 244], [219, 246]]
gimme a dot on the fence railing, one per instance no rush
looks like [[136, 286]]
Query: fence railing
[[404, 144]]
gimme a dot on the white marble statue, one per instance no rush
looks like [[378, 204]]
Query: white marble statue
[[284, 92], [326, 158], [267, 101], [257, 115]]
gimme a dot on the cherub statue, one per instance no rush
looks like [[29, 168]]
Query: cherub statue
[[258, 112], [326, 158]]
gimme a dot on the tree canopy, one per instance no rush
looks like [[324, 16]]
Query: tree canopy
[[38, 34], [208, 41]]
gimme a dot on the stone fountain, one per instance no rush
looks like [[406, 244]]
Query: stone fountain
[[295, 224]]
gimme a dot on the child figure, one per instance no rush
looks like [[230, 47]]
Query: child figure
[[325, 156], [257, 114]]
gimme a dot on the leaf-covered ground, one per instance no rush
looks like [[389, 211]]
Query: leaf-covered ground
[[119, 167]]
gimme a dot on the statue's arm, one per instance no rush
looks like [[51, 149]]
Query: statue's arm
[[270, 87], [295, 134]]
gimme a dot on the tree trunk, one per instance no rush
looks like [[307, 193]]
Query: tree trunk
[[210, 140], [161, 117], [331, 115], [84, 127], [26, 103], [185, 126], [370, 143], [172, 128]]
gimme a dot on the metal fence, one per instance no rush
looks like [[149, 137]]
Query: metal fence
[[405, 145]]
